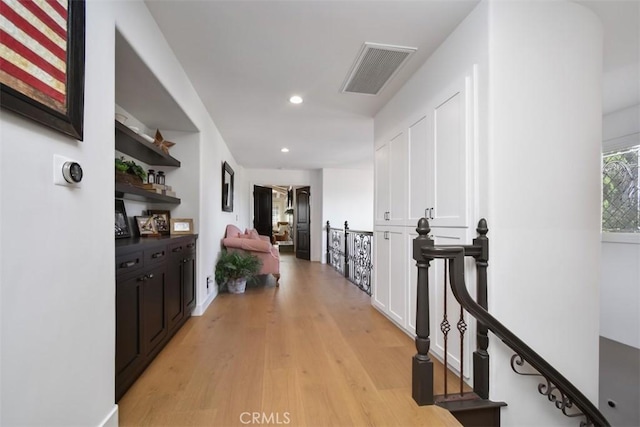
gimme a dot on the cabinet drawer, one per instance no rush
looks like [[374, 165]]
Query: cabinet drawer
[[129, 262], [155, 255], [182, 247]]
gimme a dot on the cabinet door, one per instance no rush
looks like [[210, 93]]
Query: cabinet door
[[397, 276], [154, 315], [174, 298], [412, 285], [397, 180], [382, 184], [452, 131], [420, 151], [129, 351], [381, 275], [189, 282]]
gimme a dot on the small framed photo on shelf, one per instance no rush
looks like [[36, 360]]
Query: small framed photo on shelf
[[162, 220], [181, 226], [122, 222], [146, 226]]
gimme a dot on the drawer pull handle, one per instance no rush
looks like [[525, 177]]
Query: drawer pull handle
[[190, 245], [178, 249], [128, 264], [157, 255], [149, 276]]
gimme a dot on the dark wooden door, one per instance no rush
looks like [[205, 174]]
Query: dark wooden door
[[303, 221], [262, 210]]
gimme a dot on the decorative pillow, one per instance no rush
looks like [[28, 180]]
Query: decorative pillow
[[251, 234]]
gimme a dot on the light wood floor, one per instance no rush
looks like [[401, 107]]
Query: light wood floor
[[312, 352]]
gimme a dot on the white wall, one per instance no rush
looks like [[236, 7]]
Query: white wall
[[57, 267], [296, 178], [347, 196], [620, 283], [543, 193], [57, 270], [538, 118], [138, 28]]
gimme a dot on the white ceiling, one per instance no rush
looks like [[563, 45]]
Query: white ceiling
[[246, 58]]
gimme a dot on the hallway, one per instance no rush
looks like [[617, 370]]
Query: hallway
[[311, 352]]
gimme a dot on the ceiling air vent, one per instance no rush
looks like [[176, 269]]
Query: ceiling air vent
[[374, 67]]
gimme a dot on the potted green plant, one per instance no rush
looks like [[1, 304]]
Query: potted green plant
[[234, 268], [130, 172]]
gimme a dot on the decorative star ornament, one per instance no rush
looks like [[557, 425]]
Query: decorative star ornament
[[161, 143]]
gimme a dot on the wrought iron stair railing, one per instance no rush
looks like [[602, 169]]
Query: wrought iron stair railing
[[558, 389], [350, 253]]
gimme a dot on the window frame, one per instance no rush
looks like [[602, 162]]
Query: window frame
[[618, 144]]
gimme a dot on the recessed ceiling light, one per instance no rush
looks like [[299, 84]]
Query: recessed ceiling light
[[295, 99], [285, 150]]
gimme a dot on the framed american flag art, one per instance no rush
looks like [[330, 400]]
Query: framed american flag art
[[42, 46]]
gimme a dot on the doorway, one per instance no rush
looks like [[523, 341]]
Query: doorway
[[283, 212]]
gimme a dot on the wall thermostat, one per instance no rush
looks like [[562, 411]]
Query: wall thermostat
[[72, 172], [66, 172]]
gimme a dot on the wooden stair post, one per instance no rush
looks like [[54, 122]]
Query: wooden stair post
[[422, 367]]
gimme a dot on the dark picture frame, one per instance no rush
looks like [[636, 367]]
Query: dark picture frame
[[162, 220], [22, 93], [122, 222], [227, 187]]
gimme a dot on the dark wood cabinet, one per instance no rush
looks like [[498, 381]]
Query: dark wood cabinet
[[155, 294]]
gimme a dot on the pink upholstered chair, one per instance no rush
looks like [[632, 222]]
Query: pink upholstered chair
[[260, 246]]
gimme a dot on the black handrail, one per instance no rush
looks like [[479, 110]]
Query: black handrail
[[570, 395]]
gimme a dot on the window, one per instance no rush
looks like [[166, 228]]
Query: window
[[275, 214], [620, 191]]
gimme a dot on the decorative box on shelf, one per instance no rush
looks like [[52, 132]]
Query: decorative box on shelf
[[159, 189]]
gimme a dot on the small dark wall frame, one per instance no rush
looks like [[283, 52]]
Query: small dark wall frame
[[122, 222], [227, 187], [162, 220], [57, 101]]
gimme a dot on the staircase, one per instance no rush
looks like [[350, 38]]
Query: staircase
[[475, 408]]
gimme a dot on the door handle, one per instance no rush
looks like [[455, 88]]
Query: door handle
[[431, 213]]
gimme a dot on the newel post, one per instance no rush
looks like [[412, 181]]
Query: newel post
[[346, 249], [328, 260], [481, 356], [422, 367]]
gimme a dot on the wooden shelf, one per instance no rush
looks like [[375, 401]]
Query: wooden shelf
[[132, 144], [131, 192]]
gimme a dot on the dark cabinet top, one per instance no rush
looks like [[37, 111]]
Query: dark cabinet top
[[124, 246]]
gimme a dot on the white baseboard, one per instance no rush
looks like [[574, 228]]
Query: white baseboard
[[111, 420], [201, 308]]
